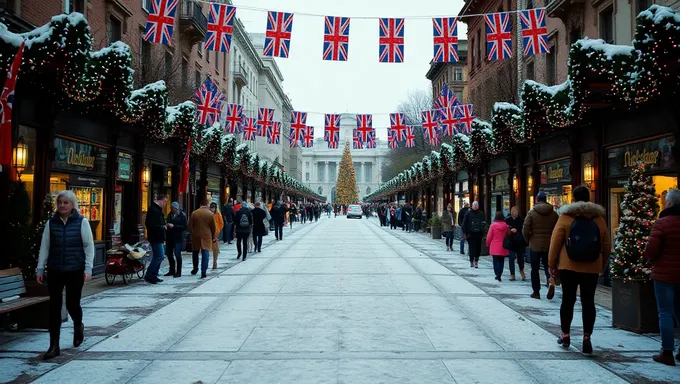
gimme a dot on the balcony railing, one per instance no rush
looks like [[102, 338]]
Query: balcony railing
[[240, 76], [192, 21]]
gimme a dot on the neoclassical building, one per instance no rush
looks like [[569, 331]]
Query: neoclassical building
[[321, 165]]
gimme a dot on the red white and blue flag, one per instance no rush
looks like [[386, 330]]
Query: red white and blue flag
[[298, 124], [430, 127], [265, 120], [161, 21], [6, 104], [208, 103], [534, 32], [397, 126], [392, 141], [465, 116], [446, 98], [370, 144], [336, 38], [220, 27], [410, 138], [308, 137], [274, 133], [277, 37], [391, 41], [234, 121], [448, 121], [498, 36], [364, 127], [249, 129], [356, 142], [445, 39], [331, 130]]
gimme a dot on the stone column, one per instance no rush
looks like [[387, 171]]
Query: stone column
[[325, 171], [363, 173]]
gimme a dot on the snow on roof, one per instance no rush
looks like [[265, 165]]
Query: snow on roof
[[609, 50], [241, 146], [504, 105], [551, 89], [658, 13], [119, 47], [40, 34], [157, 86]]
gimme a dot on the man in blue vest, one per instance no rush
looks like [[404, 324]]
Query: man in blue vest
[[155, 233]]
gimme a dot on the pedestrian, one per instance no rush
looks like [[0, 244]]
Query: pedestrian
[[663, 252], [461, 217], [417, 218], [67, 249], [393, 217], [447, 227], [219, 225], [260, 224], [251, 238], [473, 231], [279, 217], [228, 215], [292, 213], [498, 231], [537, 230], [516, 222], [406, 214], [155, 234], [203, 235], [177, 224], [243, 220], [579, 250]]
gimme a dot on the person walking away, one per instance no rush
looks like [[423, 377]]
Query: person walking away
[[407, 214], [279, 217], [304, 210], [219, 225], [461, 217], [67, 249], [177, 224], [473, 227], [244, 222], [259, 226], [155, 234], [203, 235], [663, 252], [417, 217], [537, 230], [498, 230], [579, 250], [393, 217], [228, 216], [516, 222], [251, 238], [447, 226], [291, 214]]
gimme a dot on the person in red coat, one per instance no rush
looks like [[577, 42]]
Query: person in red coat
[[663, 252]]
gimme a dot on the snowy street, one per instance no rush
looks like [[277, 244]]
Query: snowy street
[[337, 301]]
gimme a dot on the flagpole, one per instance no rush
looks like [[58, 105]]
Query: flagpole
[[518, 25]]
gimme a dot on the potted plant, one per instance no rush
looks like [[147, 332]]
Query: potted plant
[[633, 300], [435, 225]]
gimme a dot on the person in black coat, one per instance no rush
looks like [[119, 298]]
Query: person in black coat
[[516, 222], [155, 234], [177, 224], [228, 216], [461, 217], [259, 229], [278, 214], [473, 231]]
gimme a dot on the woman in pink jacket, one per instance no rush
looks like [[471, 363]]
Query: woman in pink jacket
[[494, 240]]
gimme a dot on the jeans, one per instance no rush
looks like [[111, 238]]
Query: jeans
[[519, 256], [258, 242], [668, 302], [475, 244], [242, 244], [278, 231], [157, 254], [462, 245], [587, 284], [176, 261], [73, 281], [205, 258], [498, 264], [449, 239], [538, 258], [228, 232]]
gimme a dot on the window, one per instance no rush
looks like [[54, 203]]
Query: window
[[168, 65], [207, 56], [574, 36], [473, 56], [199, 49], [217, 61], [459, 95], [307, 176], [198, 78], [530, 4], [185, 72], [114, 29], [146, 5], [479, 51], [320, 170], [368, 177], [643, 5], [607, 24], [320, 191], [458, 74], [530, 71], [368, 191], [357, 171], [551, 66], [74, 6]]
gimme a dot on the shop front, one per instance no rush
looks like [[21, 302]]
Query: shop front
[[124, 199], [461, 190], [529, 188], [500, 195], [556, 181]]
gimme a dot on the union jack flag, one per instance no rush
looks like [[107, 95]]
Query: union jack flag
[[265, 120], [364, 127], [449, 121], [336, 38], [465, 117], [391, 40], [6, 104], [249, 129], [208, 103], [397, 126], [308, 137], [445, 39], [277, 37], [332, 145], [410, 138], [430, 127], [298, 123], [370, 144], [234, 120], [392, 141], [331, 129], [446, 99], [534, 32], [356, 143], [274, 133], [161, 21], [220, 27], [498, 36]]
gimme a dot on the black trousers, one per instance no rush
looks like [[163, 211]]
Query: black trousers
[[242, 244], [587, 282], [257, 239], [475, 244], [278, 231], [73, 282], [538, 258]]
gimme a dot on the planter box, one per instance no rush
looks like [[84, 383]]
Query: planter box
[[634, 306], [436, 233]]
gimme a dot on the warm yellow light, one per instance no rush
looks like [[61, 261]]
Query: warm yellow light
[[169, 182], [515, 183], [146, 175], [20, 156], [588, 173], [530, 183]]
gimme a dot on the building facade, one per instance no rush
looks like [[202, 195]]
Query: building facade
[[321, 164], [454, 75]]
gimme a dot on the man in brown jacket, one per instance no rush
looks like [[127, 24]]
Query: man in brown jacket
[[203, 234], [537, 229]]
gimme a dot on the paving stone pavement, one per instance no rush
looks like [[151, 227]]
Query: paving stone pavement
[[338, 301]]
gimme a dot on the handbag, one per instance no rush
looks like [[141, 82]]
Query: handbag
[[508, 243]]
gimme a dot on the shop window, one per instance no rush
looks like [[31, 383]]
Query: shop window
[[90, 198], [607, 24], [574, 35], [114, 29]]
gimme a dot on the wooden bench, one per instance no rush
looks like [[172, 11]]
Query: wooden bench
[[12, 284]]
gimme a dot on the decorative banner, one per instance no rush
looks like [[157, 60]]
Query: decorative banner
[[6, 104], [370, 144], [208, 103], [277, 37], [161, 21], [534, 32], [274, 133], [392, 141], [498, 36], [410, 138], [308, 137], [184, 175], [397, 126], [446, 99], [332, 145], [448, 121], [465, 117], [265, 120], [220, 27], [391, 47], [336, 38], [249, 129], [445, 39], [331, 130], [430, 127], [234, 120], [356, 143], [298, 124], [364, 127]]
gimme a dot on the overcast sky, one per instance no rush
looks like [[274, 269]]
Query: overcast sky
[[361, 84]]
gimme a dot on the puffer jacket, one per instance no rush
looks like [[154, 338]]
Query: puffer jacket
[[539, 225], [663, 247], [66, 251], [447, 221]]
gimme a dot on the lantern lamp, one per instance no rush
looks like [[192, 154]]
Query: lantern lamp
[[588, 173], [20, 156], [146, 175]]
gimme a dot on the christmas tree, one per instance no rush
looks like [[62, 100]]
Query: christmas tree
[[639, 209], [346, 191]]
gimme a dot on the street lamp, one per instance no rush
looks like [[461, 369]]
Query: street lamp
[[515, 184], [19, 156], [146, 176], [588, 173]]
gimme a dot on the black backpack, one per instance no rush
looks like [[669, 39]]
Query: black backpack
[[244, 221], [583, 243], [476, 225]]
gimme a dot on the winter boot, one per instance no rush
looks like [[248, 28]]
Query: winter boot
[[78, 334], [665, 357], [53, 351], [512, 277], [524, 276]]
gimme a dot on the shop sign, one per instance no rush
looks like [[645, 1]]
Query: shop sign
[[656, 155], [86, 181], [125, 163], [213, 183], [500, 182], [556, 172], [74, 156]]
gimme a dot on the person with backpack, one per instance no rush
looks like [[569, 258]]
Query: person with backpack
[[537, 230], [516, 222], [473, 231], [278, 214], [243, 220], [579, 250], [495, 240], [461, 217]]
